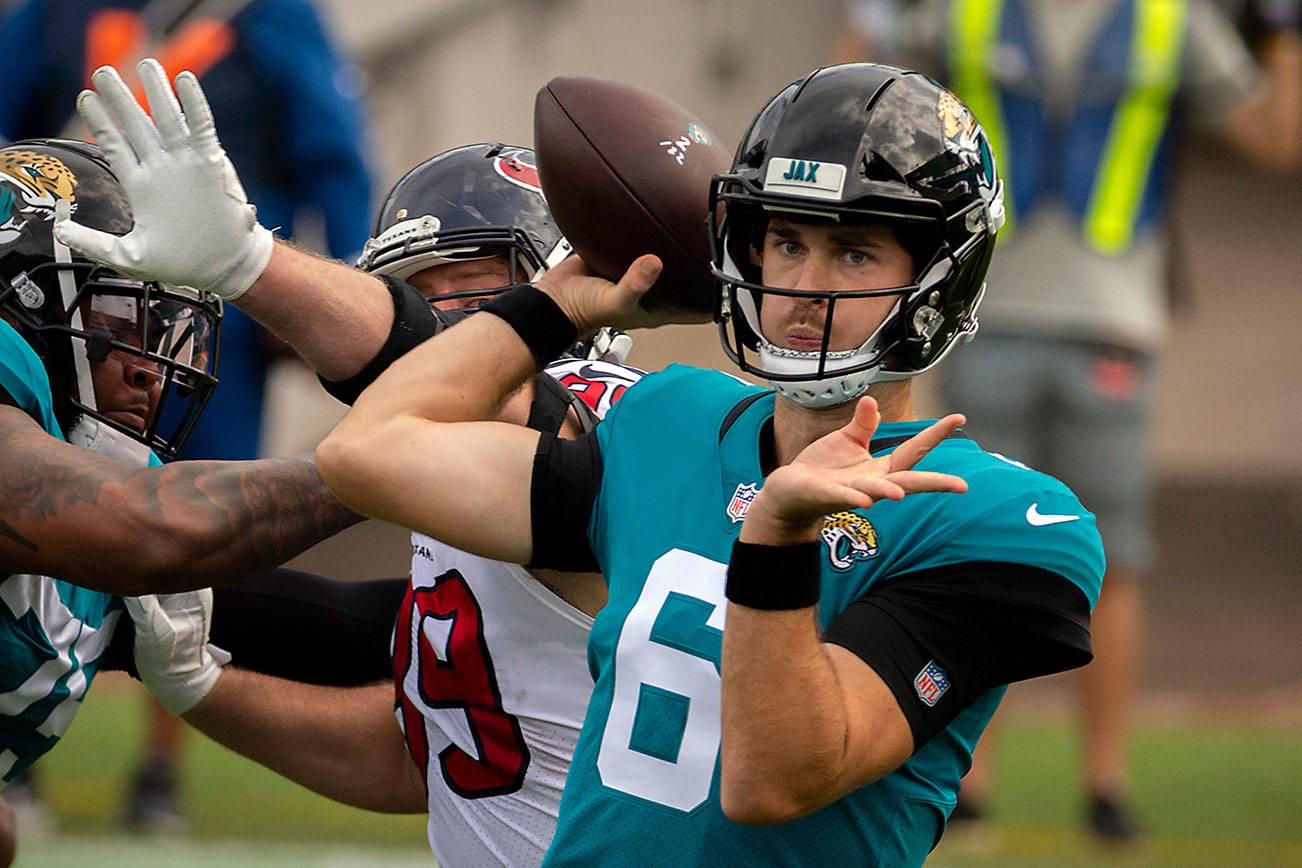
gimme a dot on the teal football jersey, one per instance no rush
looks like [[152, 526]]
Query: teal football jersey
[[643, 787], [52, 633]]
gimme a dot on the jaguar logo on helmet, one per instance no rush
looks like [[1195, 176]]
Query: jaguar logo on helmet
[[850, 537], [964, 136], [30, 184], [517, 166], [958, 121]]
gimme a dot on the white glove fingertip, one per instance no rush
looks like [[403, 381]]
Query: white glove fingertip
[[163, 105], [132, 122], [100, 123], [221, 655], [203, 130]]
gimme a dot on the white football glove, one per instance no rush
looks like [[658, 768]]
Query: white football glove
[[194, 225], [173, 656]]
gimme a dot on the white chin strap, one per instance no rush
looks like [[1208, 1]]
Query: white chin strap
[[68, 290], [106, 440], [828, 391]]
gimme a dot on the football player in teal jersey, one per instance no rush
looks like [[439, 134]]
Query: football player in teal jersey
[[97, 372], [816, 600]]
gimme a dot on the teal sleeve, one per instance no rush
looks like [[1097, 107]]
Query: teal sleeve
[[1043, 526], [23, 376]]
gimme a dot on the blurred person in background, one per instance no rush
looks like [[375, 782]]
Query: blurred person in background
[[291, 104], [1083, 104]]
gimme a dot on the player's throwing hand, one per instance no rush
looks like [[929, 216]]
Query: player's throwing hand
[[591, 301]]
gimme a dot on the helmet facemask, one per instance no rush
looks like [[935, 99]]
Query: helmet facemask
[[856, 145], [825, 376], [411, 246], [161, 340]]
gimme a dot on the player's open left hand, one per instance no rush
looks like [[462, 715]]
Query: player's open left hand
[[591, 301], [193, 224], [837, 472]]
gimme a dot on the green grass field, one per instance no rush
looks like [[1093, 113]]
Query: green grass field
[[1212, 794]]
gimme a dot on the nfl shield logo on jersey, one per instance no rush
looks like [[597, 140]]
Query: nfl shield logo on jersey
[[741, 501], [931, 683]]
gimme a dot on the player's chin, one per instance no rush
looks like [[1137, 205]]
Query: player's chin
[[127, 418]]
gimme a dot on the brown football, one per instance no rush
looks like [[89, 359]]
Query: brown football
[[627, 172]]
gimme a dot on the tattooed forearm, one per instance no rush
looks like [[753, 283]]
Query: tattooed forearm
[[9, 533], [69, 513], [247, 515]]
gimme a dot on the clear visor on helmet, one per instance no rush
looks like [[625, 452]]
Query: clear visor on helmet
[[152, 353]]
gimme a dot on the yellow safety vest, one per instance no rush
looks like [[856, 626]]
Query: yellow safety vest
[[1136, 127]]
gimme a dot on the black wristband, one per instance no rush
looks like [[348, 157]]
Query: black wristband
[[539, 321], [775, 577], [414, 322]]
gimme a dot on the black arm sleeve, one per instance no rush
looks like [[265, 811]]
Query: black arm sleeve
[[414, 322], [297, 626], [566, 478], [982, 624]]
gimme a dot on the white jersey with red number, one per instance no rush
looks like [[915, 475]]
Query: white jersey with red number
[[492, 684]]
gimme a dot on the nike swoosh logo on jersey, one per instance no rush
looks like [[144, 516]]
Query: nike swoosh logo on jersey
[[1037, 519]]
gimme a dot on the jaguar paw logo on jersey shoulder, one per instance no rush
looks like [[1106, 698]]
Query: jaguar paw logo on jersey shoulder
[[849, 537]]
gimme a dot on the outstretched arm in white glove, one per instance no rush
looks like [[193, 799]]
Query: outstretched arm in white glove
[[341, 742], [194, 226]]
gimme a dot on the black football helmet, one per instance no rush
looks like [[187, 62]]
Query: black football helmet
[[475, 202], [74, 313], [471, 202], [859, 144]]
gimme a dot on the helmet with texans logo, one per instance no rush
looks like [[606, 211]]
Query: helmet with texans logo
[[80, 317], [476, 202], [851, 145], [472, 202]]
